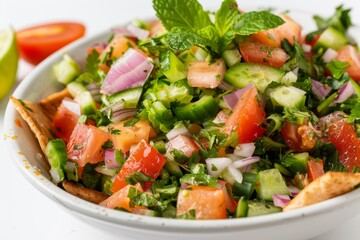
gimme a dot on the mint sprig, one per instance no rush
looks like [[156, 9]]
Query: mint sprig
[[188, 24]]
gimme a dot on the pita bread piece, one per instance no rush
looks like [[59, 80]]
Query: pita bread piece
[[51, 103], [38, 121], [330, 185], [84, 193]]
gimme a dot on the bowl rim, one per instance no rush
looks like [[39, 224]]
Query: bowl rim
[[46, 187]]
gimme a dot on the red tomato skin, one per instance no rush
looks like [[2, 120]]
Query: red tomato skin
[[37, 43], [247, 117], [344, 137], [273, 37], [85, 144], [64, 123], [315, 169], [144, 159], [260, 53], [350, 55]]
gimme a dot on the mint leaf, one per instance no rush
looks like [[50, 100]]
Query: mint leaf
[[183, 39], [254, 22], [181, 13], [340, 20], [225, 17]]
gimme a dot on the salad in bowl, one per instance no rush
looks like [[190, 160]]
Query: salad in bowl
[[206, 115]]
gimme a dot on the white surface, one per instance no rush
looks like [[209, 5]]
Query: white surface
[[24, 212]]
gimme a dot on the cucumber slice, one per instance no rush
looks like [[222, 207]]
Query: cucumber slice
[[270, 182], [242, 74], [130, 97], [333, 38], [172, 67], [57, 157], [66, 70], [87, 103], [198, 111], [296, 162], [242, 208], [288, 97], [75, 88], [173, 168], [257, 208], [231, 57]]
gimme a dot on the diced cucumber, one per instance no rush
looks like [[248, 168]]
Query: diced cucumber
[[130, 97], [288, 97], [187, 57], [160, 146], [270, 182], [57, 157], [173, 168], [71, 170], [247, 187], [66, 70], [231, 57], [242, 208], [172, 67], [87, 103], [331, 37], [198, 111], [257, 208], [242, 74], [75, 88], [296, 162], [282, 169]]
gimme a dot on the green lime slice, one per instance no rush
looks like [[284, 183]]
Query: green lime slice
[[8, 61]]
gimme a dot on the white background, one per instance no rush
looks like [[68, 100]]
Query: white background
[[24, 212]]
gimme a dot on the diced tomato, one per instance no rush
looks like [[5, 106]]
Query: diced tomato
[[206, 75], [156, 28], [38, 42], [344, 137], [120, 198], [313, 40], [350, 55], [298, 137], [131, 135], [227, 190], [247, 117], [85, 144], [64, 122], [144, 159], [273, 37], [260, 53], [97, 48], [116, 48], [207, 202], [184, 144], [315, 169]]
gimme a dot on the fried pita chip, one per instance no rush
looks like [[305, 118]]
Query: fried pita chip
[[38, 121], [51, 103], [84, 193], [330, 185]]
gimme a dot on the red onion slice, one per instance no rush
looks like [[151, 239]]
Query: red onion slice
[[330, 54], [245, 162], [130, 70], [320, 90], [245, 149], [231, 99], [72, 106], [280, 200], [123, 114], [178, 130], [140, 33], [344, 93], [109, 159], [293, 190]]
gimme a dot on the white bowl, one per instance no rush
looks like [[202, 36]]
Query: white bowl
[[298, 224]]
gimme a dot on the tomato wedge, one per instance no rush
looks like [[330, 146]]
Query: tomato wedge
[[120, 198], [247, 118], [207, 202], [85, 144], [315, 169], [273, 37], [350, 55], [260, 53], [38, 42], [144, 159], [64, 122], [344, 138]]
